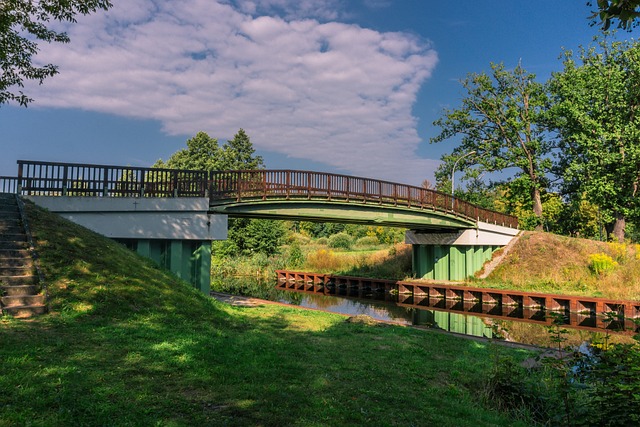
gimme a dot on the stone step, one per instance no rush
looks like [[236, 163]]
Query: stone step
[[13, 228], [28, 279], [25, 311], [9, 205], [11, 245], [21, 300], [9, 214], [16, 271], [13, 237], [14, 253], [18, 290], [15, 262]]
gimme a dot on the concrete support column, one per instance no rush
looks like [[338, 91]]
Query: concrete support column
[[175, 258], [449, 262], [189, 260], [144, 248]]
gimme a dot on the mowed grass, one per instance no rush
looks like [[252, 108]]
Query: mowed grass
[[128, 344]]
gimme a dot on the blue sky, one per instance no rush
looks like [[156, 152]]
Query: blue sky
[[339, 86]]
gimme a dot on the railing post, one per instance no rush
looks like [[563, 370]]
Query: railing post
[[308, 185], [105, 182], [348, 191], [328, 187], [64, 180], [19, 188], [175, 183], [395, 194], [288, 184], [209, 184], [141, 182]]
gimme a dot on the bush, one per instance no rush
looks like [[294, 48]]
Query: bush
[[322, 240], [601, 263], [341, 241], [618, 251], [297, 239], [323, 261], [367, 241]]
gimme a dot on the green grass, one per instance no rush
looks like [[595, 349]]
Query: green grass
[[128, 344]]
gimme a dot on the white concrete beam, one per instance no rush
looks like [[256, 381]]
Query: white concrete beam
[[183, 218], [485, 234]]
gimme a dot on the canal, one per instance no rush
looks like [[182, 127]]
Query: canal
[[513, 324]]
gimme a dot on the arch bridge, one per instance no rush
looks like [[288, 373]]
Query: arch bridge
[[148, 207]]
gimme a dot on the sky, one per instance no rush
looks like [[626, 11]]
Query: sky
[[342, 86]]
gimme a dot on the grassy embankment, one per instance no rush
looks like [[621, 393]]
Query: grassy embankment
[[546, 262], [540, 262], [128, 344]]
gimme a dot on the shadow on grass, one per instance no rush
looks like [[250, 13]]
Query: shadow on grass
[[128, 344]]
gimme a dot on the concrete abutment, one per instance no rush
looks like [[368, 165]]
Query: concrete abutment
[[457, 255], [176, 233]]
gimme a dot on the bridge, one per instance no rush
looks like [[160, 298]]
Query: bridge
[[150, 209]]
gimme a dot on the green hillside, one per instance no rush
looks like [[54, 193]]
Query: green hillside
[[128, 344]]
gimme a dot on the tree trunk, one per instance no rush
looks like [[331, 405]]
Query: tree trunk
[[537, 207], [618, 227]]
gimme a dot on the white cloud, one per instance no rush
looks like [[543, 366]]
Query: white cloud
[[332, 92]]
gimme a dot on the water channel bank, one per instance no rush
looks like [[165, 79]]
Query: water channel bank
[[510, 321]]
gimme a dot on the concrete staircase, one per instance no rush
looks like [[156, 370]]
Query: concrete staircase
[[19, 290]]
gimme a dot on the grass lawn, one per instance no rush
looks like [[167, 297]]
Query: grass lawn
[[128, 344]]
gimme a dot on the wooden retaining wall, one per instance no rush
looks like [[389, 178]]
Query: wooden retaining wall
[[579, 311]]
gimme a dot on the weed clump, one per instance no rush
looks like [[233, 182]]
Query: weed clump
[[600, 263]]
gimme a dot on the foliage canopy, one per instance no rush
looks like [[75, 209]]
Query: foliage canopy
[[22, 25]]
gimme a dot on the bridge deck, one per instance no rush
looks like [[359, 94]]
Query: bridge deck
[[243, 186]]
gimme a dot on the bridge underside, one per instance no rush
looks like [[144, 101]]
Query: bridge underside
[[345, 212]]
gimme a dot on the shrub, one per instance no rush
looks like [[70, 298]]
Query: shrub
[[618, 251], [367, 241], [323, 260], [322, 240], [297, 239], [295, 257], [341, 241], [601, 263]]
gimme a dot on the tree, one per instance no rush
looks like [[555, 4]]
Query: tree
[[202, 153], [22, 24], [239, 153], [624, 11], [502, 120], [246, 236], [596, 111]]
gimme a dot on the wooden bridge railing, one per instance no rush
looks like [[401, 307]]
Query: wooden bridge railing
[[288, 184], [71, 179], [8, 184]]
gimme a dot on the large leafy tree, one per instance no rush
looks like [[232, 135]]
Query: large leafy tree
[[246, 236], [502, 120], [596, 111], [22, 24], [202, 153], [626, 12]]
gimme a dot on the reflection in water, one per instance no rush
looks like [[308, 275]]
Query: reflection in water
[[514, 323]]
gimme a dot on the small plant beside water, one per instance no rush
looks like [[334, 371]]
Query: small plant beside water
[[601, 263], [598, 384]]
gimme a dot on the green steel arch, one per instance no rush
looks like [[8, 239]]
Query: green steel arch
[[343, 212]]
